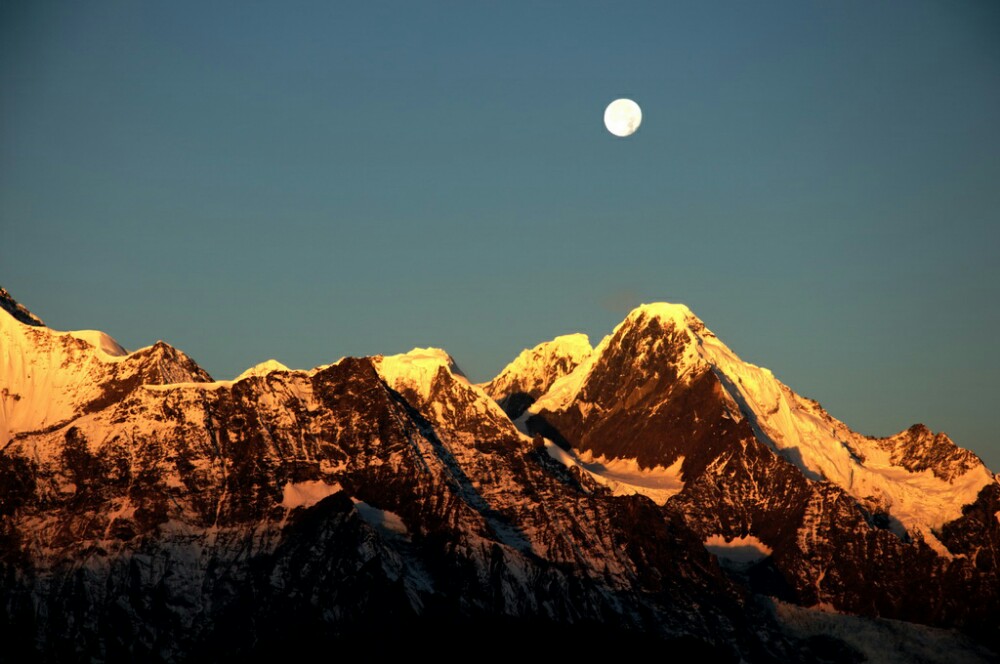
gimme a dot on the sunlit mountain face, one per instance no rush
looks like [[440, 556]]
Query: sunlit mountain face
[[653, 490]]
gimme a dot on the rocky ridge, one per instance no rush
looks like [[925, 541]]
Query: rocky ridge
[[151, 512]]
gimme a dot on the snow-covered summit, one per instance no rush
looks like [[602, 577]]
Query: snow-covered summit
[[417, 369], [262, 369], [661, 315], [665, 311], [432, 382], [534, 370]]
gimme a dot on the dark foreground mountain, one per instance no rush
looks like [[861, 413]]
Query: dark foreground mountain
[[666, 495]]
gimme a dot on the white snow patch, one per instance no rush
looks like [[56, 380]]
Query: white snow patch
[[385, 521], [739, 551], [624, 476], [931, 540], [306, 494]]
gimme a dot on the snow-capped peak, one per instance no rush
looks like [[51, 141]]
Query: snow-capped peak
[[416, 369], [535, 369], [563, 391], [921, 479], [262, 369], [527, 365], [431, 381], [665, 311]]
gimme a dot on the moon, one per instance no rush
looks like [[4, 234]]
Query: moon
[[622, 117]]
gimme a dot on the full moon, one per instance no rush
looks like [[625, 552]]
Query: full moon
[[622, 117]]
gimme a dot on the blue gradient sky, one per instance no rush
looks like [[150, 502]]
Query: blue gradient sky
[[820, 182]]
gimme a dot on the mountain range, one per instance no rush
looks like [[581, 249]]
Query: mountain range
[[652, 491]]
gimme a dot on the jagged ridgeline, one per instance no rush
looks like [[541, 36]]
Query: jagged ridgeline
[[654, 491]]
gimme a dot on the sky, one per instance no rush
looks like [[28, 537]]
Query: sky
[[819, 182]]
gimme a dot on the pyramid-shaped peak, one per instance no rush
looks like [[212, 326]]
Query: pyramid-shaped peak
[[263, 369]]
